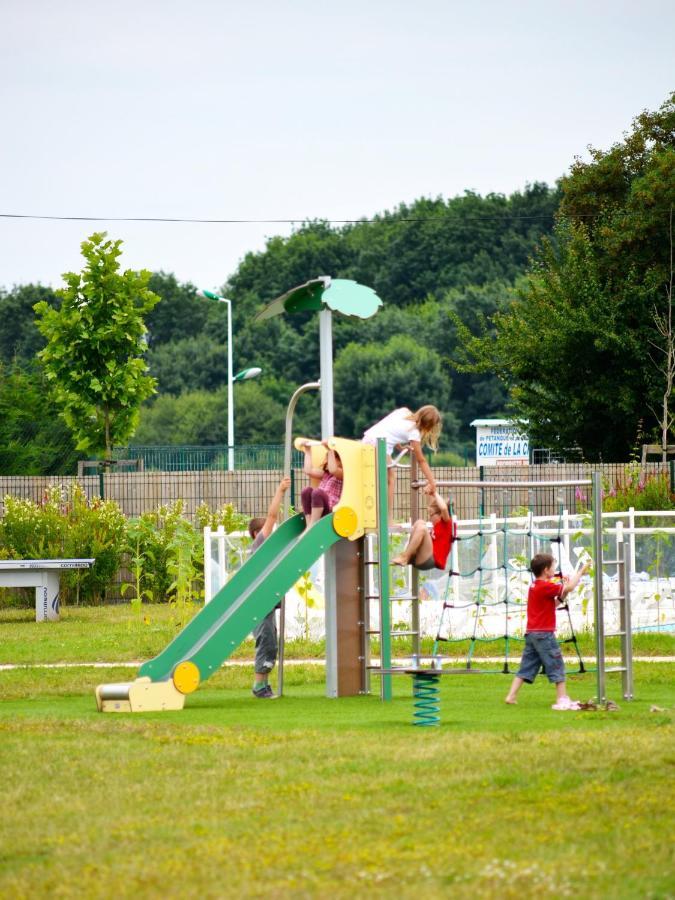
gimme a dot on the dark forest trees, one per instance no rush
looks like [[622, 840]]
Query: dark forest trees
[[573, 348], [425, 259]]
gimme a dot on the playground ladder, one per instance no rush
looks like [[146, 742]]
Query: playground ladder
[[371, 592], [622, 563]]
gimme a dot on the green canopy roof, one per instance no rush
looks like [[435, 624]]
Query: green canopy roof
[[339, 294]]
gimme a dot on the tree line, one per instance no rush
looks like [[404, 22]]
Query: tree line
[[425, 260]]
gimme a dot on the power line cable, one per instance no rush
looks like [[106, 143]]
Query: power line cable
[[392, 216]]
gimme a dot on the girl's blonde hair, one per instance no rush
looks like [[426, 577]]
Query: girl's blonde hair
[[429, 422]]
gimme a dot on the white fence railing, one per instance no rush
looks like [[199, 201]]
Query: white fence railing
[[492, 557]]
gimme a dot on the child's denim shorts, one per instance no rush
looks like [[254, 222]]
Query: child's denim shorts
[[541, 649]]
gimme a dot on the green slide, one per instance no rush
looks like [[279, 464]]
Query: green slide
[[252, 592]]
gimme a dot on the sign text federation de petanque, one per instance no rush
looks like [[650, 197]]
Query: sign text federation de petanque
[[500, 442]]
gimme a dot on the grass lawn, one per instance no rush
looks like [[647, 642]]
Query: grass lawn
[[307, 797], [120, 634]]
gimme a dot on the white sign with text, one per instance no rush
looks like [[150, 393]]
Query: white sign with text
[[500, 444]]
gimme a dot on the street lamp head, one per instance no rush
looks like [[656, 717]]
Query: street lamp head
[[210, 295], [245, 374]]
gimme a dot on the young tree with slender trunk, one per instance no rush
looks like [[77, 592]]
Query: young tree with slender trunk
[[95, 343], [666, 330]]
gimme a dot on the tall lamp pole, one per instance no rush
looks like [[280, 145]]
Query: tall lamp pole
[[230, 384]]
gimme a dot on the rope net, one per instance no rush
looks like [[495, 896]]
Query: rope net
[[495, 577]]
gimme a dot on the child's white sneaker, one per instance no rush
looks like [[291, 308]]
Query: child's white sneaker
[[565, 704]]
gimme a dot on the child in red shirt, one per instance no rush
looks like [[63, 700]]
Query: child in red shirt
[[541, 647], [429, 551]]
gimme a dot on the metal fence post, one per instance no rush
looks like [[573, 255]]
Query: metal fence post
[[597, 581]]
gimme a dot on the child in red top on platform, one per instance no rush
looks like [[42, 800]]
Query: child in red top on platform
[[429, 551], [319, 501], [541, 647]]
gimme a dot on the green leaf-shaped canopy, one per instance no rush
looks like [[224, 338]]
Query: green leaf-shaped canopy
[[339, 294]]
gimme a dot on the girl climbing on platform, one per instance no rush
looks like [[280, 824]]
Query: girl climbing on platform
[[417, 429], [319, 501]]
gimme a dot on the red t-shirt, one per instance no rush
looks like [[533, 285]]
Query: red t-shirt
[[442, 536], [541, 604]]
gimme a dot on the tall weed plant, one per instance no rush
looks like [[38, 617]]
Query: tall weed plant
[[157, 545]]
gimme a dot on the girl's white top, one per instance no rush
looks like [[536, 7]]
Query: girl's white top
[[395, 428]]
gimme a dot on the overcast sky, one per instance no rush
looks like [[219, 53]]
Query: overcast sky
[[295, 109]]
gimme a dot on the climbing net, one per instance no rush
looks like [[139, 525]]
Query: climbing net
[[492, 582]]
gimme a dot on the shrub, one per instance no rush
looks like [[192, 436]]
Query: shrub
[[165, 553], [92, 528], [634, 488], [163, 550], [67, 525], [227, 516], [30, 530]]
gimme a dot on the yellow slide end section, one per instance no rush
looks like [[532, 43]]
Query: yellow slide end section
[[186, 677]]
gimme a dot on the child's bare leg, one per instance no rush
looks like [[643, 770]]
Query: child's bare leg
[[419, 547], [560, 690], [516, 685]]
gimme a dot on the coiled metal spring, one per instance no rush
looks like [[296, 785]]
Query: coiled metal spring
[[427, 698]]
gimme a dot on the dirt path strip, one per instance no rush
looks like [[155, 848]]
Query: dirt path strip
[[8, 667]]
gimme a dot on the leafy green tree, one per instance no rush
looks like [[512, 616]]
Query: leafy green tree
[[194, 363], [34, 440], [373, 379], [474, 394], [200, 418], [93, 358], [195, 417], [416, 250], [573, 347], [179, 314], [19, 335], [258, 417]]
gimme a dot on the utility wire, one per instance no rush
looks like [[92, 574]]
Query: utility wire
[[392, 216]]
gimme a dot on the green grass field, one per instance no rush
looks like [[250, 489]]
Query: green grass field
[[121, 634], [309, 797]]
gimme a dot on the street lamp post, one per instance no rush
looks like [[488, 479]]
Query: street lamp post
[[244, 375], [230, 391]]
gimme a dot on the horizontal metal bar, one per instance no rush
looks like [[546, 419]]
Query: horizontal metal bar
[[394, 633], [504, 484], [615, 634], [617, 669], [377, 668]]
